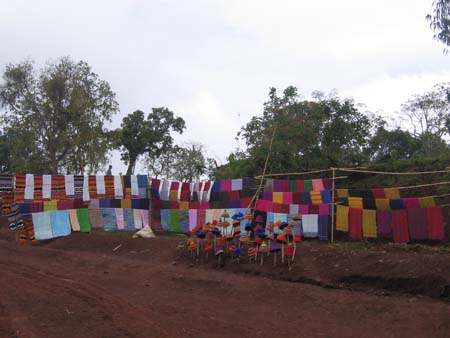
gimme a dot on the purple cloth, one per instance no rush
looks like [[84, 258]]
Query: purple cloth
[[417, 224], [327, 183], [384, 223]]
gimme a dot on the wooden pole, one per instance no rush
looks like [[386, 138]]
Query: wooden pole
[[333, 173]]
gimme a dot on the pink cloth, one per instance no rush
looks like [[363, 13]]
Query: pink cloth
[[119, 219], [192, 219], [324, 209], [288, 198], [303, 209], [411, 203], [317, 184], [225, 185], [144, 215]]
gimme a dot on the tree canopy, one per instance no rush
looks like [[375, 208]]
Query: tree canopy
[[149, 136], [440, 21], [56, 117]]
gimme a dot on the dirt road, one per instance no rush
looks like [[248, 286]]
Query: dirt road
[[78, 287]]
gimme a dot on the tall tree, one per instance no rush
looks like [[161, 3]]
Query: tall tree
[[190, 162], [309, 134], [57, 116], [149, 136]]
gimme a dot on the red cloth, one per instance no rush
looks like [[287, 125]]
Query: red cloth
[[400, 226], [174, 185], [355, 223], [300, 185], [194, 205], [378, 193], [411, 203], [297, 197], [155, 183], [185, 186], [245, 202], [435, 224], [184, 196], [234, 195]]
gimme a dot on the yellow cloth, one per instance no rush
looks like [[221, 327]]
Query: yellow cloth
[[355, 202], [392, 193], [342, 193], [369, 223], [382, 204], [125, 203], [184, 205], [173, 195], [426, 202], [342, 218], [277, 197], [74, 220], [50, 205], [316, 197]]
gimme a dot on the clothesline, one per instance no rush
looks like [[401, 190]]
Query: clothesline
[[392, 172]]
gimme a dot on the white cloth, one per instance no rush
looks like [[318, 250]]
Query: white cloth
[[29, 187], [164, 194], [134, 185], [100, 184], [310, 225], [293, 209], [236, 184], [46, 186], [70, 185], [137, 219], [118, 189], [86, 196]]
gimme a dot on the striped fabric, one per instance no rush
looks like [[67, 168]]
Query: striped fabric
[[37, 188], [20, 188], [58, 187], [400, 226], [109, 187], [78, 186]]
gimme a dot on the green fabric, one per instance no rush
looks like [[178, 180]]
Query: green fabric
[[175, 221], [83, 219], [292, 186], [308, 185]]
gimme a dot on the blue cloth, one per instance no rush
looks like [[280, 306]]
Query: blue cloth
[[135, 204], [184, 220], [216, 186], [323, 227], [128, 219], [165, 219], [396, 203], [42, 225], [326, 196], [60, 223], [305, 197], [142, 181], [104, 203], [25, 208], [109, 219]]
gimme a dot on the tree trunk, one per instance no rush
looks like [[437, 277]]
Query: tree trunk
[[131, 165]]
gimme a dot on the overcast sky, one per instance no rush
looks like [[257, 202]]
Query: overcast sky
[[212, 61]]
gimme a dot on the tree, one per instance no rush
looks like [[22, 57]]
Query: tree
[[161, 167], [190, 163], [310, 134], [4, 153], [440, 21], [56, 116], [151, 136]]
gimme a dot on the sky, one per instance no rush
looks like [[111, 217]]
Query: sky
[[212, 62]]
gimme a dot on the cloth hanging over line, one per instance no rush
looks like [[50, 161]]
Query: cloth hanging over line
[[86, 195], [109, 219], [69, 183], [119, 219], [83, 219], [417, 223], [29, 187], [400, 226], [60, 223], [137, 219], [323, 221], [434, 222], [42, 225], [355, 223], [46, 186], [134, 186], [74, 223], [369, 223], [100, 184], [384, 223], [310, 225]]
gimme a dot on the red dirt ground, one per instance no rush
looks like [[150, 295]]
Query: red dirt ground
[[79, 287]]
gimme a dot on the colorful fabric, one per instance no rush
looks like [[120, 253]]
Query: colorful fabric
[[307, 185], [382, 204], [83, 219], [369, 223], [355, 202], [411, 203], [46, 186], [369, 203], [86, 194], [29, 187], [392, 193], [378, 193], [426, 202], [42, 225], [6, 182], [69, 186], [142, 181], [400, 226], [175, 221], [310, 225], [125, 203], [109, 186], [417, 223], [145, 218], [20, 188], [118, 188], [37, 188], [78, 186], [326, 196], [324, 209], [306, 197], [74, 223], [96, 218], [342, 193], [120, 222], [60, 223], [100, 186], [323, 221], [137, 219], [58, 187], [317, 184], [94, 204], [396, 204], [327, 183], [183, 218], [134, 186], [277, 197], [355, 223], [316, 197], [128, 219], [50, 205], [109, 219], [384, 223], [434, 222], [164, 194], [154, 190]]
